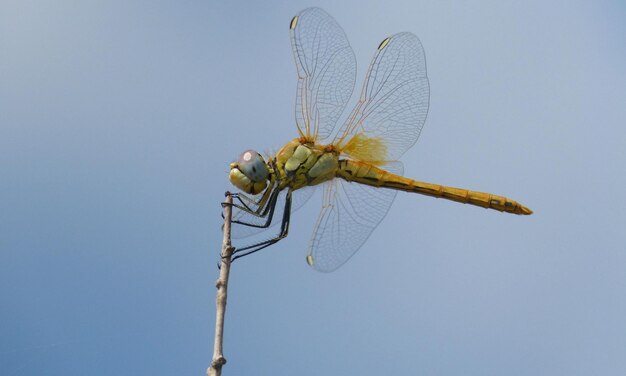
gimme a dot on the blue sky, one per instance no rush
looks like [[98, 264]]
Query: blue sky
[[117, 125]]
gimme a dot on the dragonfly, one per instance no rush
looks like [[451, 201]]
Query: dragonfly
[[356, 163]]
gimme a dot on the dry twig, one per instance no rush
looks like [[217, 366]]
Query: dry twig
[[222, 291]]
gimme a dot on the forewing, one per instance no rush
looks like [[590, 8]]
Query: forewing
[[326, 72], [298, 199], [395, 97], [350, 212]]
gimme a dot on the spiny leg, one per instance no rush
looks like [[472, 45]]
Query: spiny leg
[[246, 203], [284, 230], [270, 206], [249, 204], [267, 212]]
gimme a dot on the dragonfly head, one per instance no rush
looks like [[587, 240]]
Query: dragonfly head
[[249, 173]]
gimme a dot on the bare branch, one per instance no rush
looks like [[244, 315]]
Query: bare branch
[[222, 291]]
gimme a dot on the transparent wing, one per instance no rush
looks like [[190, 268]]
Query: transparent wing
[[298, 199], [350, 212], [395, 97], [326, 72]]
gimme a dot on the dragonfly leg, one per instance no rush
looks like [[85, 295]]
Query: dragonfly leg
[[245, 202], [267, 212], [257, 208], [284, 230]]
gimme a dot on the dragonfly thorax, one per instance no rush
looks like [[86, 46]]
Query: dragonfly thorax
[[250, 173], [301, 163]]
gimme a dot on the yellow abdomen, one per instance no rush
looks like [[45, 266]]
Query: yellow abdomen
[[365, 173]]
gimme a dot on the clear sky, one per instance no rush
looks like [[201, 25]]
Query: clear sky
[[117, 125]]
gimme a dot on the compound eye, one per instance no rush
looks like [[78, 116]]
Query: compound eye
[[253, 166]]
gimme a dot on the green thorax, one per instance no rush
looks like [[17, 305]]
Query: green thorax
[[300, 164]]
